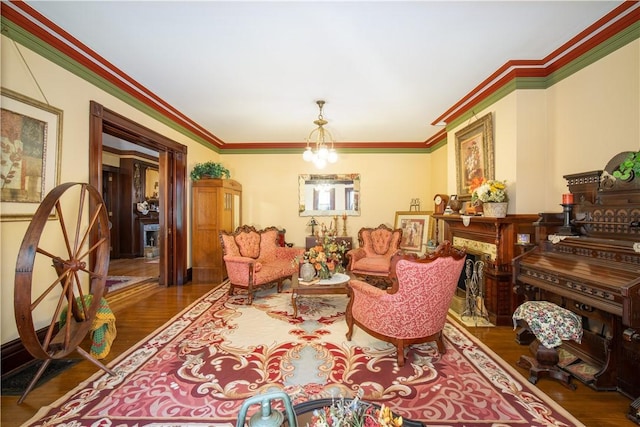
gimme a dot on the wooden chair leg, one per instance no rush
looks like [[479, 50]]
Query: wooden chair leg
[[400, 350], [250, 294], [442, 349], [349, 326]]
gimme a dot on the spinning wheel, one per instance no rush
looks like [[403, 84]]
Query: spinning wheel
[[70, 217]]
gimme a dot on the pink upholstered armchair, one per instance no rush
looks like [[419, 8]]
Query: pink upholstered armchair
[[373, 258], [414, 309], [254, 258]]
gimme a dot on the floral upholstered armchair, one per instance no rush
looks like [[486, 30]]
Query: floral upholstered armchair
[[414, 310], [373, 258], [254, 258]]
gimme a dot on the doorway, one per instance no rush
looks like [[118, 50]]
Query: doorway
[[171, 236]]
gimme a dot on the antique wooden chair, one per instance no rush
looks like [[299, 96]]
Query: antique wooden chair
[[414, 309], [372, 260], [254, 258]]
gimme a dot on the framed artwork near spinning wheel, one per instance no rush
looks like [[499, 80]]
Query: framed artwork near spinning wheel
[[31, 134]]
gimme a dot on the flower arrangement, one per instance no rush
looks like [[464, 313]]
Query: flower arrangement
[[490, 191], [355, 413], [326, 256]]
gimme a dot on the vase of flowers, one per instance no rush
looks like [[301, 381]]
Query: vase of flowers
[[354, 413], [325, 257], [493, 196]]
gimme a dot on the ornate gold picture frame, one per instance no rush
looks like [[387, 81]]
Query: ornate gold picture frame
[[474, 155]]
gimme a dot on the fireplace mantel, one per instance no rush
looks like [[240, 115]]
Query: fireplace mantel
[[497, 240]]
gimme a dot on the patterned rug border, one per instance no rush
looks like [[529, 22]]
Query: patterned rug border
[[515, 372], [459, 326]]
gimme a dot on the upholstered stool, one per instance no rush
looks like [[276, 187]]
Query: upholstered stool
[[550, 324]]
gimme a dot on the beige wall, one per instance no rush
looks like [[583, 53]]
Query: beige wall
[[270, 188], [592, 116]]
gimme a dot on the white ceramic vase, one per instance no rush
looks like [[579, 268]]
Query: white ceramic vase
[[307, 272], [495, 209]]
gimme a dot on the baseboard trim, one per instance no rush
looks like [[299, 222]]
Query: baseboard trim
[[14, 355]]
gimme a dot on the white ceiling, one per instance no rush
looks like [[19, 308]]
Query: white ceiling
[[252, 71]]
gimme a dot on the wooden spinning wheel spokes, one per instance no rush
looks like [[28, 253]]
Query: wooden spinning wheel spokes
[[79, 217]]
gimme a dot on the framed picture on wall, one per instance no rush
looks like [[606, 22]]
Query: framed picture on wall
[[417, 229], [31, 134], [474, 155]]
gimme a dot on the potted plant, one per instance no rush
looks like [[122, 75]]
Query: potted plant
[[494, 198], [629, 167], [209, 170]]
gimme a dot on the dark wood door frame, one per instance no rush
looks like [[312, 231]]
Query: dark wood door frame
[[172, 194]]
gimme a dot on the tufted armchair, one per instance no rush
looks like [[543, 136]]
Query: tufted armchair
[[255, 258], [373, 258], [414, 309]]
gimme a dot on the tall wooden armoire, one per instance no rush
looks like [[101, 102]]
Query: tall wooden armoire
[[217, 206]]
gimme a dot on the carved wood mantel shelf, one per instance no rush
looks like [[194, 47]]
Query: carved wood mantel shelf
[[496, 239]]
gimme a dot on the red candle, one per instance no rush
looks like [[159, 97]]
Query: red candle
[[567, 199]]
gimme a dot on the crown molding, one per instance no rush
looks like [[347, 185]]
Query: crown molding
[[613, 31], [25, 25]]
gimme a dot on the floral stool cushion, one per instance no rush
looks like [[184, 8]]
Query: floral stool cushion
[[550, 323]]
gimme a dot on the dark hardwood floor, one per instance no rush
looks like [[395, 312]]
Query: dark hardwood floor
[[144, 315]]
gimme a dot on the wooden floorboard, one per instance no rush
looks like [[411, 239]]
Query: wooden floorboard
[[135, 321], [134, 267]]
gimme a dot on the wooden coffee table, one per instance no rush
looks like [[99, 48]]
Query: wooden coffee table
[[337, 284]]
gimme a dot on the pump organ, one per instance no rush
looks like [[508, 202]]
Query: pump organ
[[592, 267]]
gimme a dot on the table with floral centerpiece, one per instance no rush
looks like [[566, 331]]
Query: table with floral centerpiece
[[348, 412]]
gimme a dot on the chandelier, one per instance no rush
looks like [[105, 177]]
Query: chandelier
[[323, 151]]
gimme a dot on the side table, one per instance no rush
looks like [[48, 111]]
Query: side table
[[337, 284]]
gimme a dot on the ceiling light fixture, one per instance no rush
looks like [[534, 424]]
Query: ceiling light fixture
[[323, 152]]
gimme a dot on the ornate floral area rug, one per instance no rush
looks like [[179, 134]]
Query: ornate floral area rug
[[201, 366]]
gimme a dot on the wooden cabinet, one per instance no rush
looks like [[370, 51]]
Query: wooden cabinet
[[495, 240], [216, 206]]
